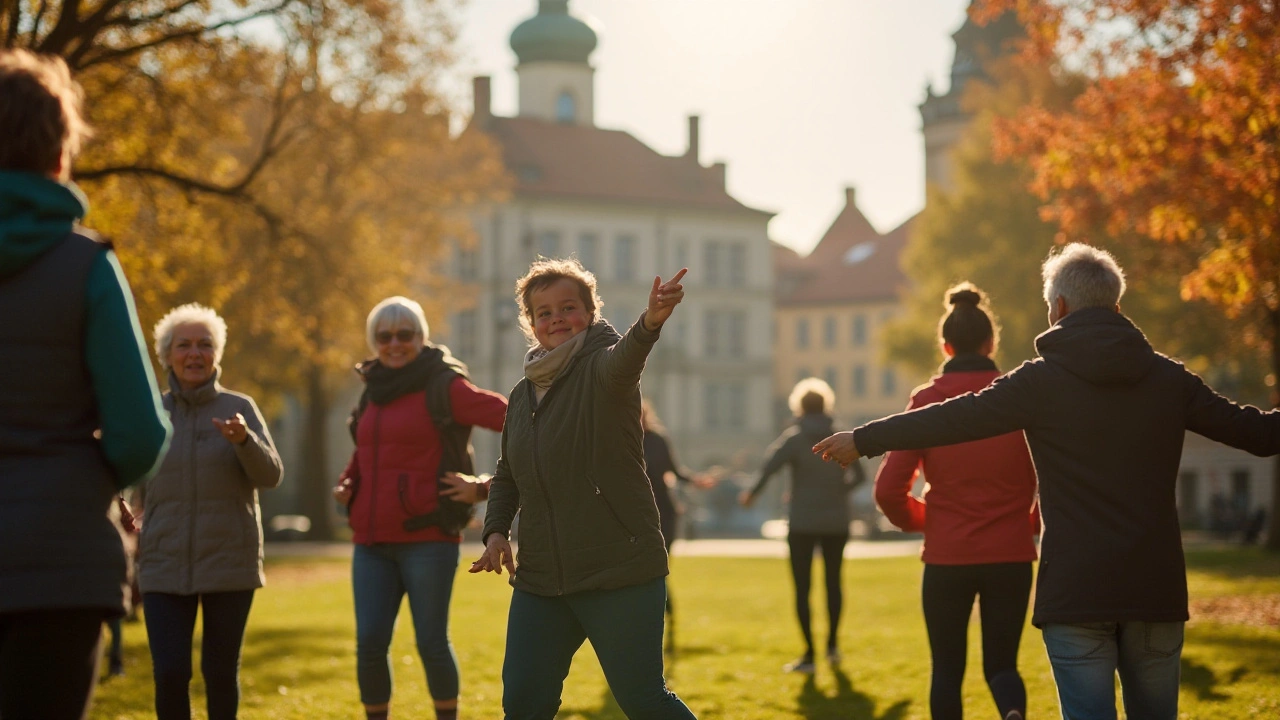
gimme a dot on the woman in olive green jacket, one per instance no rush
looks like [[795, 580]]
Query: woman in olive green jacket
[[592, 560]]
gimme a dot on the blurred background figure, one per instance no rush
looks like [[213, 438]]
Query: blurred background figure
[[819, 515], [80, 415], [412, 428], [664, 472], [978, 516], [200, 545]]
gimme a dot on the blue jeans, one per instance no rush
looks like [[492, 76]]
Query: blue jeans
[[381, 575], [625, 629], [171, 622], [1086, 657]]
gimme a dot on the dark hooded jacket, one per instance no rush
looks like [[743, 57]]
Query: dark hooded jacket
[[79, 411], [1105, 418], [819, 490], [573, 465]]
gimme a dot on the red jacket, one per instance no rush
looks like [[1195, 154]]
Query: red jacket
[[980, 496], [396, 458]]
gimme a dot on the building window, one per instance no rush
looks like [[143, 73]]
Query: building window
[[464, 333], [736, 343], [859, 381], [713, 342], [713, 262], [859, 330], [803, 373], [624, 258], [888, 382], [830, 377], [682, 253], [589, 251], [566, 107], [549, 244], [714, 419], [737, 265], [802, 333], [468, 263], [829, 331], [726, 405]]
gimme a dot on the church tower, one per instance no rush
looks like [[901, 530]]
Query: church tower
[[555, 77], [944, 120]]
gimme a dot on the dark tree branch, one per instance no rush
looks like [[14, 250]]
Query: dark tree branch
[[15, 17], [36, 21], [83, 59]]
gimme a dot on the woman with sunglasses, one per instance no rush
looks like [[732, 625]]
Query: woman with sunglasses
[[406, 534]]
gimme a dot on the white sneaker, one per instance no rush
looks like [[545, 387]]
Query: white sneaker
[[803, 665]]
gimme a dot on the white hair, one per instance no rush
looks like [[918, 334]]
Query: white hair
[[811, 386], [393, 311], [1084, 276], [189, 314]]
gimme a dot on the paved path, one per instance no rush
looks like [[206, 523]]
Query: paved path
[[682, 548]]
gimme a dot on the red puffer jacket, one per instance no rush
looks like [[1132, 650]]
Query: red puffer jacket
[[979, 505], [396, 459]]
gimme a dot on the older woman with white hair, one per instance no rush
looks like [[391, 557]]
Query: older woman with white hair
[[412, 458], [819, 508], [200, 544]]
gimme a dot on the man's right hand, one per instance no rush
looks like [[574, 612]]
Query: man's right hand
[[343, 491], [497, 555]]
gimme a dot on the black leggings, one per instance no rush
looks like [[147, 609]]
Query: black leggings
[[49, 663], [171, 623], [802, 546], [948, 592]]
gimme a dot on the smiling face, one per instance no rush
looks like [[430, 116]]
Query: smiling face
[[191, 355], [558, 313], [397, 345]]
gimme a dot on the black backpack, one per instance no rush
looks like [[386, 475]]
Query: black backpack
[[456, 452]]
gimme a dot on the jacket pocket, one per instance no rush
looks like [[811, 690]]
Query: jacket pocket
[[417, 492], [612, 512]]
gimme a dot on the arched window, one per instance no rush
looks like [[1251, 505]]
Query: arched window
[[566, 107]]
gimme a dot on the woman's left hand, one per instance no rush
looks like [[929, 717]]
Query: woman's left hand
[[233, 429], [663, 299], [463, 488]]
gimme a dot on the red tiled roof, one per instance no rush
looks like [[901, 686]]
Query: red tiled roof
[[584, 162], [852, 263]]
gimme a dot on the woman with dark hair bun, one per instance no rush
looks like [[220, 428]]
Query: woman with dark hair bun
[[979, 518]]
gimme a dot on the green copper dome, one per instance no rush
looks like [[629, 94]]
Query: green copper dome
[[553, 34]]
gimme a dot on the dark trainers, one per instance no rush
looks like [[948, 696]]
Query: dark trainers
[[833, 655], [115, 667], [803, 665]]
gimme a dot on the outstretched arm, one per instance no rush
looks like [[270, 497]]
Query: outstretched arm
[[624, 363]]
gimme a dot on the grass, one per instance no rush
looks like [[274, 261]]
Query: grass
[[735, 631]]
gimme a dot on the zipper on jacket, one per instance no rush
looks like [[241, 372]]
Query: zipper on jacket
[[195, 497], [373, 485], [537, 475], [609, 506]]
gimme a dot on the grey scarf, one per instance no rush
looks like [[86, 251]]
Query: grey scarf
[[542, 366]]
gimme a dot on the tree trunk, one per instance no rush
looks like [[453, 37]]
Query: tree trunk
[[315, 481], [1273, 536]]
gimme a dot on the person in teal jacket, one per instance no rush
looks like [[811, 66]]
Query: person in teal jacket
[[80, 414], [592, 563]]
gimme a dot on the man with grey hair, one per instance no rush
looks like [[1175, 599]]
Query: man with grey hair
[[1105, 417]]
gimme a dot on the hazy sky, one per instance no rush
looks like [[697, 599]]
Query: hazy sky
[[799, 97]]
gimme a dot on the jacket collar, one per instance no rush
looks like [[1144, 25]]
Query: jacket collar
[[198, 395]]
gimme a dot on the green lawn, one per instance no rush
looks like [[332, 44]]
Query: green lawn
[[735, 631]]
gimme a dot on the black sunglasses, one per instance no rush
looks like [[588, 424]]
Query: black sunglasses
[[383, 337]]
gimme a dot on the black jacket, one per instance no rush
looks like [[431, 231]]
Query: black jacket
[[574, 468], [1105, 417]]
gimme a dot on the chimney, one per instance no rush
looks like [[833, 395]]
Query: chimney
[[692, 152], [717, 171], [850, 196], [481, 92]]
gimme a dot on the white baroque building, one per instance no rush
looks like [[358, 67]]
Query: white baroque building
[[627, 213]]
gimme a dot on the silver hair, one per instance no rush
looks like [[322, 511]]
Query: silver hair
[[189, 314], [1084, 276], [811, 386], [393, 311]]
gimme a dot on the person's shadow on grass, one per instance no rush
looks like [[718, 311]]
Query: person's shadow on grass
[[846, 704]]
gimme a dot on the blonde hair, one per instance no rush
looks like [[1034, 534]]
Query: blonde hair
[[811, 395], [189, 314], [40, 113], [545, 272]]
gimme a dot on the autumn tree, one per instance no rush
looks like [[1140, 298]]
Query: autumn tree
[[289, 162], [1175, 139]]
